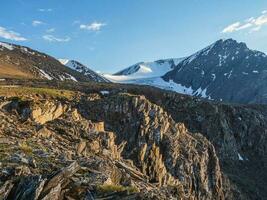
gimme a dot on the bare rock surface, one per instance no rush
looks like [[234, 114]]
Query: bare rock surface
[[123, 146]]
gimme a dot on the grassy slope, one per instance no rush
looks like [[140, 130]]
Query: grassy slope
[[11, 71], [18, 91]]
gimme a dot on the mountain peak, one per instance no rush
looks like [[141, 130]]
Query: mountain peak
[[226, 70], [231, 43], [83, 69], [6, 45], [63, 61]]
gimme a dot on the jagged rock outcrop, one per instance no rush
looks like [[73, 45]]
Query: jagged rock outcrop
[[48, 112], [143, 149], [128, 147], [163, 150], [31, 153]]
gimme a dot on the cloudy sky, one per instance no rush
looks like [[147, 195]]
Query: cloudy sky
[[110, 35]]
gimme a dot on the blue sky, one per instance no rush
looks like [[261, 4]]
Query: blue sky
[[108, 35]]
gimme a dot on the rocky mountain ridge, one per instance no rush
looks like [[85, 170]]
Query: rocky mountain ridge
[[77, 66], [167, 145], [110, 157], [22, 62], [226, 70]]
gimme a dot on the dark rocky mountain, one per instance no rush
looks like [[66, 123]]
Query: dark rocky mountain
[[77, 66], [111, 141], [226, 70], [22, 62]]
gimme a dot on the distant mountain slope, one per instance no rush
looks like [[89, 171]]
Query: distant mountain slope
[[150, 69], [148, 73], [226, 70], [22, 62], [77, 66]]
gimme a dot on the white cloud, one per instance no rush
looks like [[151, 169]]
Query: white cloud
[[45, 10], [231, 28], [10, 35], [95, 26], [254, 24], [52, 38], [51, 30], [37, 23], [264, 12]]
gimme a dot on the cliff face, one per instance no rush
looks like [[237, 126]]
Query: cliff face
[[238, 133], [62, 145], [84, 145], [163, 150]]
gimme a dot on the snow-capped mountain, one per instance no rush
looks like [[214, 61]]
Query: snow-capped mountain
[[150, 69], [146, 73], [225, 70], [77, 66], [150, 73]]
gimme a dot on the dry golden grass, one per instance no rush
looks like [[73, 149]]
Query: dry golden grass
[[17, 91], [25, 148], [11, 71]]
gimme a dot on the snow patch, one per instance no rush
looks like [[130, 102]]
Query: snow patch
[[156, 82], [213, 76], [222, 59], [240, 157], [229, 74], [45, 75], [72, 78], [104, 92], [200, 92], [144, 69], [63, 61], [149, 69], [7, 46], [67, 77]]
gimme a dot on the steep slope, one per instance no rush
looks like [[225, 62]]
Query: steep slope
[[22, 62], [138, 118], [54, 148], [226, 70], [77, 66]]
